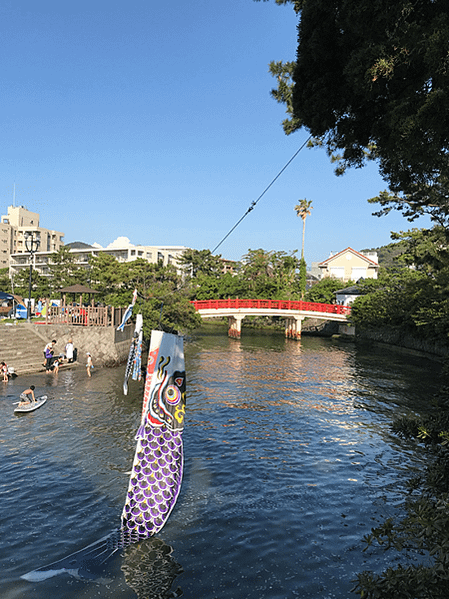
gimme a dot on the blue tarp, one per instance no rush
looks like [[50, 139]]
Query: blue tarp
[[20, 310]]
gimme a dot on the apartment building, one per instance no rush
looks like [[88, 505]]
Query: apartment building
[[8, 243], [121, 249], [16, 226]]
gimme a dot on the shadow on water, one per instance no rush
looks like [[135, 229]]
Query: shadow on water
[[150, 569]]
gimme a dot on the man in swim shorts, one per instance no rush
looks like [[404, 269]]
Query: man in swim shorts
[[27, 396]]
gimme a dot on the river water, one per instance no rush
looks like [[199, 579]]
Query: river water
[[289, 462]]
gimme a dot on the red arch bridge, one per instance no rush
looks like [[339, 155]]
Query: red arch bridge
[[293, 312]]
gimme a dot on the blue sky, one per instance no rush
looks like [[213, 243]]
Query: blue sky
[[153, 120]]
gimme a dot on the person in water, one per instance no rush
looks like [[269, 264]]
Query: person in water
[[4, 372], [27, 396], [89, 364]]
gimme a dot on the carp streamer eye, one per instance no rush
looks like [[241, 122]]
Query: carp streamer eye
[[172, 395]]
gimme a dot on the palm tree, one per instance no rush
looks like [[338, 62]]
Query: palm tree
[[303, 209]]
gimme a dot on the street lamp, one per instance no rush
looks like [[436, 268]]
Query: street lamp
[[31, 245]]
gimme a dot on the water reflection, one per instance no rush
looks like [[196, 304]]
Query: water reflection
[[289, 461], [150, 569]]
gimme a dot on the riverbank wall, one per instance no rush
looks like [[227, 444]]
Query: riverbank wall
[[108, 346], [319, 327], [433, 348], [22, 345]]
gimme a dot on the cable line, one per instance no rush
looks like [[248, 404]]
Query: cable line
[[254, 202]]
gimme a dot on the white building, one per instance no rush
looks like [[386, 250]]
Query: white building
[[122, 249]]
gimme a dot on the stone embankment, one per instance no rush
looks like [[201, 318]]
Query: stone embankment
[[434, 348], [22, 344], [320, 328]]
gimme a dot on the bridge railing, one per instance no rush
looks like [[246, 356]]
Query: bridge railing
[[270, 305]]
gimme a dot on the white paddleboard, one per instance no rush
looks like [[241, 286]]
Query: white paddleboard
[[30, 407]]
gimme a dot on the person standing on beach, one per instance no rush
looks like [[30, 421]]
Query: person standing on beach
[[69, 351], [48, 352]]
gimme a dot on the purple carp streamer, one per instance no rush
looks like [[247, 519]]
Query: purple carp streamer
[[157, 470], [158, 463]]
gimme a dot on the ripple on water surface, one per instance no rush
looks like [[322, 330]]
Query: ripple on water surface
[[289, 462]]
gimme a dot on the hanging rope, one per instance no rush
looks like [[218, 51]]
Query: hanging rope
[[254, 202]]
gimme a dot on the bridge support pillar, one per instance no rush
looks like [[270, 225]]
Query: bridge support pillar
[[235, 326], [293, 327]]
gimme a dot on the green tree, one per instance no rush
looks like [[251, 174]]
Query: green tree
[[400, 300], [371, 81], [169, 309], [40, 285], [270, 275], [162, 299], [63, 270], [144, 275], [303, 210], [387, 254], [323, 292], [426, 250], [105, 274], [283, 93], [197, 262], [5, 281]]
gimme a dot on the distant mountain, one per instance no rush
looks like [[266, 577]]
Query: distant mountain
[[78, 245], [387, 254]]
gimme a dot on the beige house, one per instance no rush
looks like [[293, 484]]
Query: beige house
[[349, 265]]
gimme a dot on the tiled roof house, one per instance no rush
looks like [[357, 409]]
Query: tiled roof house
[[349, 265]]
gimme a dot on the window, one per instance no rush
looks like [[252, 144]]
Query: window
[[358, 272], [338, 272]]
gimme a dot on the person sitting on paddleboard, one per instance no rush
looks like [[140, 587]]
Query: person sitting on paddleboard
[[27, 396]]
